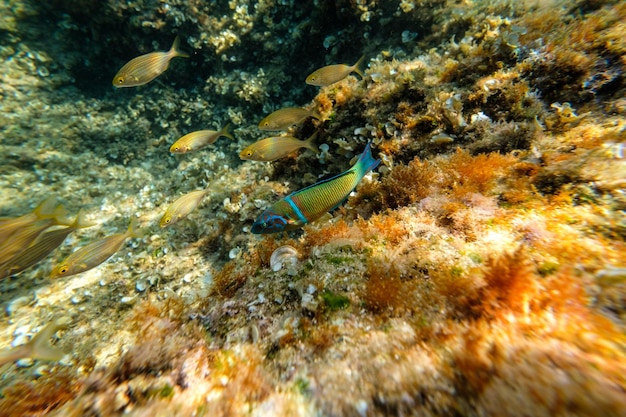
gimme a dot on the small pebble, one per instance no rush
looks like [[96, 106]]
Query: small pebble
[[66, 360], [41, 370], [141, 285], [128, 299], [16, 304], [21, 330], [20, 340], [25, 363], [234, 253]]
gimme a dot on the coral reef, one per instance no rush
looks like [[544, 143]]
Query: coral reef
[[480, 270]]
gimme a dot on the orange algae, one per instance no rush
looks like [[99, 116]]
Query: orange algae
[[34, 398], [384, 292], [510, 285]]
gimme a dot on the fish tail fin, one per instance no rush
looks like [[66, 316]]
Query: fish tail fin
[[309, 143], [175, 49], [133, 231], [356, 66], [315, 114], [226, 131], [40, 344], [366, 161], [80, 221], [46, 208], [60, 216]]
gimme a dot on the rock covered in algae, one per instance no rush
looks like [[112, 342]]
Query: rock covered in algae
[[444, 285]]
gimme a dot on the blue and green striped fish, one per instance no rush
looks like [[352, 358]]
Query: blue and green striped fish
[[310, 203]]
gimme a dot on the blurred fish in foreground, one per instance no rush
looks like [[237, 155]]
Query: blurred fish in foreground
[[25, 235], [282, 119], [94, 254], [181, 208], [270, 149], [44, 244], [199, 139], [45, 210], [39, 346], [310, 203], [145, 68], [330, 74]]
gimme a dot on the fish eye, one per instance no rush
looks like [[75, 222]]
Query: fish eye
[[168, 220], [249, 153], [120, 80], [63, 269], [176, 148]]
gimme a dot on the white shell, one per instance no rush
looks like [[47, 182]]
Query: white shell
[[284, 255]]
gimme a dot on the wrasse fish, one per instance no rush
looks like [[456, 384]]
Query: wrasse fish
[[181, 208], [270, 149], [39, 346], [94, 254], [45, 210], [199, 139], [332, 73], [145, 68], [310, 203], [43, 245], [284, 118]]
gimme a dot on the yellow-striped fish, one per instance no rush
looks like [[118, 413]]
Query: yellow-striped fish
[[330, 74], [284, 118], [270, 149], [145, 68], [43, 245], [181, 208], [199, 139], [45, 210], [94, 254], [39, 346], [23, 237]]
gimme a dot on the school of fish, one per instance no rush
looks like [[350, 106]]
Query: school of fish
[[28, 239]]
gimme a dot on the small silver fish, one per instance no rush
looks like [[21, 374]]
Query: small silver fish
[[145, 68], [199, 139], [181, 208], [94, 254], [284, 118], [270, 149], [330, 74]]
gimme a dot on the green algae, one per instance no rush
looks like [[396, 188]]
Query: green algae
[[335, 301]]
